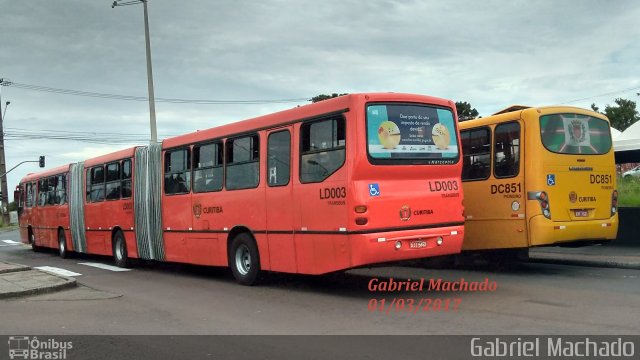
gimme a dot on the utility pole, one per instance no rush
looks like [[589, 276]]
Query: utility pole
[[3, 167], [152, 103]]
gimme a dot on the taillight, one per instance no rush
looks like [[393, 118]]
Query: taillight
[[614, 202], [361, 209], [543, 199]]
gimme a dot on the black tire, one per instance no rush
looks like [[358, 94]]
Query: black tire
[[120, 256], [62, 245], [506, 258], [244, 260], [32, 241]]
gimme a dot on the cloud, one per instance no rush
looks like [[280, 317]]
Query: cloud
[[489, 53]]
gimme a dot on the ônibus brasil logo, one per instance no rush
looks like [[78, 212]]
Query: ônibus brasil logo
[[25, 347]]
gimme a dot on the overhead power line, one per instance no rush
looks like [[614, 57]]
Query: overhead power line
[[605, 94], [142, 98], [17, 134], [88, 133]]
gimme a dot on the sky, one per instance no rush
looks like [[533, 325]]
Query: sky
[[489, 53]]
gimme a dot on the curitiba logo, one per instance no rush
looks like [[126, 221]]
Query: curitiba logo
[[25, 347], [197, 210], [405, 213], [578, 131]]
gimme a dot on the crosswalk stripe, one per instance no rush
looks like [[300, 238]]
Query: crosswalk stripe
[[104, 266], [57, 271], [11, 242]]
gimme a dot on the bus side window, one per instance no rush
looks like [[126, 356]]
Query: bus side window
[[42, 192], [61, 190], [507, 150], [177, 171], [243, 162], [207, 167], [126, 178], [322, 149], [113, 183], [29, 201], [476, 150], [97, 183], [51, 190], [279, 158], [87, 179]]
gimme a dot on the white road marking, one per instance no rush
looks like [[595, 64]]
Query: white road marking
[[104, 266], [57, 271], [11, 242]]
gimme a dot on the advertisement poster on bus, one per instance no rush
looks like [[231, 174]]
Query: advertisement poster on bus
[[410, 132]]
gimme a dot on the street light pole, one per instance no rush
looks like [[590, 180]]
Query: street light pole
[[4, 203], [6, 105], [152, 102]]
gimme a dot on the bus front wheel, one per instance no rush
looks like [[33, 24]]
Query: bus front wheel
[[62, 245], [120, 251], [244, 260], [32, 241]]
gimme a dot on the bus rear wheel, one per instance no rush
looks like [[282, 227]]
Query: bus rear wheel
[[62, 245], [120, 250], [244, 260]]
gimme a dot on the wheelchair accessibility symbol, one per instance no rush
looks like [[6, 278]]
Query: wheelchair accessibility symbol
[[374, 190], [551, 179]]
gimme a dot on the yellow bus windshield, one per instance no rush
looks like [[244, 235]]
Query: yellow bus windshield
[[575, 134]]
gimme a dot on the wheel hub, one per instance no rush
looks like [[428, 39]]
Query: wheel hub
[[243, 260]]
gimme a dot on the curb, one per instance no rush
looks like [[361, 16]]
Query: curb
[[17, 267], [568, 260], [69, 283]]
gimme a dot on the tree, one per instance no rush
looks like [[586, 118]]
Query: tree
[[322, 97], [623, 114], [465, 111], [595, 108]]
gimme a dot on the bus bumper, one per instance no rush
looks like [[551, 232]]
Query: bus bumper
[[546, 232], [411, 244]]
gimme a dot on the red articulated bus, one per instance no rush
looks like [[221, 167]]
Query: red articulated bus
[[346, 182]]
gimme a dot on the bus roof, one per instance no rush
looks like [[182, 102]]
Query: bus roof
[[49, 172], [296, 114], [504, 115], [120, 154], [512, 108]]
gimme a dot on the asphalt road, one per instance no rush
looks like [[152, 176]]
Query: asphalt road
[[179, 299]]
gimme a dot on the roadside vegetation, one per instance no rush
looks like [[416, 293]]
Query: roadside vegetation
[[629, 192]]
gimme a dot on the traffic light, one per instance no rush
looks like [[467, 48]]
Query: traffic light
[[41, 162]]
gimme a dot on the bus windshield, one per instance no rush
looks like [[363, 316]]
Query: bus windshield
[[575, 134], [410, 134]]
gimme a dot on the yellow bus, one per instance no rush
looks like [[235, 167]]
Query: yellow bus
[[536, 177]]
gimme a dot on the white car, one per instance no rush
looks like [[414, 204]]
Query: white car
[[635, 172]]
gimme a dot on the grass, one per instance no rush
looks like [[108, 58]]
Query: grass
[[629, 192]]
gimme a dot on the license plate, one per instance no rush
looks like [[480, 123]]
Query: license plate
[[581, 213], [417, 244]]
